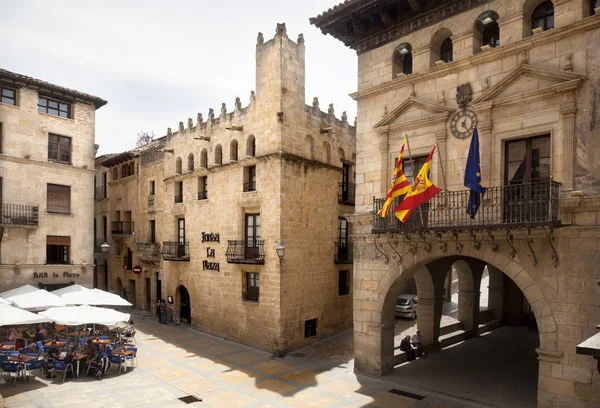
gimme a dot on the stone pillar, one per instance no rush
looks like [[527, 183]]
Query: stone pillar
[[374, 349], [567, 12], [469, 281], [423, 59], [496, 291], [484, 128], [438, 176], [567, 114], [429, 317], [462, 45], [514, 28]]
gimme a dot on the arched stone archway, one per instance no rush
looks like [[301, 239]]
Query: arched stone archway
[[183, 303], [374, 317]]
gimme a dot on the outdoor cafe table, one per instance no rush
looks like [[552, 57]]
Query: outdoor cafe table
[[58, 343], [102, 341], [78, 359], [6, 347], [22, 359]]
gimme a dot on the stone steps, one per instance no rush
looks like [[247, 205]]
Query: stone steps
[[489, 326], [451, 328], [453, 338]]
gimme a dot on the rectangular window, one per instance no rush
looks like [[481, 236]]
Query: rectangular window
[[8, 95], [202, 188], [412, 168], [152, 187], [252, 236], [58, 199], [54, 107], [252, 287], [179, 192], [250, 178], [527, 160], [310, 328], [152, 231], [57, 249], [343, 283], [59, 149]]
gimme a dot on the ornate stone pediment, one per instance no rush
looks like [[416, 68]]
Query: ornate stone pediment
[[528, 82], [413, 113]]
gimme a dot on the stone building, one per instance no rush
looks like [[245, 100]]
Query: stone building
[[204, 210], [46, 171], [526, 74]]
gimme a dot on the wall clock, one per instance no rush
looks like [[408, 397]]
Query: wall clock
[[463, 123]]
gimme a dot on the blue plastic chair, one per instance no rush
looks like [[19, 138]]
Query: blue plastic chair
[[35, 365], [82, 343], [117, 359], [15, 368], [32, 354], [40, 346], [133, 357], [3, 357], [60, 365]]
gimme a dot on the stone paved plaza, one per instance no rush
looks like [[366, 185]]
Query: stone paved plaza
[[177, 361]]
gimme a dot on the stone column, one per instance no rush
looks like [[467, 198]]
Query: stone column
[[374, 349], [423, 59], [514, 28], [496, 291], [439, 176], [567, 12], [462, 45], [484, 128], [468, 309], [567, 115], [429, 315]]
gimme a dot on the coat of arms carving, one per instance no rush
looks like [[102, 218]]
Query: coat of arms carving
[[464, 95]]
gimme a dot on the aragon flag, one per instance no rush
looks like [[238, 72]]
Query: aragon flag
[[422, 190], [399, 186]]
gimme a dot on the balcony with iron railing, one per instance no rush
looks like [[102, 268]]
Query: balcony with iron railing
[[19, 215], [512, 206], [100, 193], [148, 250], [245, 252], [202, 195], [346, 193], [251, 186], [122, 228], [343, 253], [175, 251]]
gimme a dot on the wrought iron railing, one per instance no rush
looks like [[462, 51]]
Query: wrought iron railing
[[17, 214], [175, 251], [245, 252], [150, 200], [149, 249], [122, 227], [346, 193], [343, 253], [250, 186], [202, 195], [179, 199], [100, 193], [511, 206]]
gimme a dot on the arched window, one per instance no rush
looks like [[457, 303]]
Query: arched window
[[233, 150], [250, 146], [402, 61], [190, 162], [203, 159], [487, 26], [115, 173], [308, 147], [218, 154], [124, 169], [131, 168], [446, 50], [327, 152], [543, 16], [178, 169]]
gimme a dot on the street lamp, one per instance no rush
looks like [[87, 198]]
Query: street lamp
[[105, 247], [280, 249]]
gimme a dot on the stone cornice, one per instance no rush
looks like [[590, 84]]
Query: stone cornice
[[497, 53], [42, 163], [414, 124], [384, 124]]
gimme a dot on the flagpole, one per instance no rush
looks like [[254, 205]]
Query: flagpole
[[414, 173], [443, 177]]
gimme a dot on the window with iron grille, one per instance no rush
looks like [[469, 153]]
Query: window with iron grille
[[251, 289], [250, 178], [54, 107], [343, 283], [59, 149], [57, 250], [310, 328], [8, 95], [58, 199], [202, 188]]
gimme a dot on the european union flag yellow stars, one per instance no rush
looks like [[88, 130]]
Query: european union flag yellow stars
[[473, 176]]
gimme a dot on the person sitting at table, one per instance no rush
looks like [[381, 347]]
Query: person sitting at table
[[53, 354], [90, 349], [16, 335], [407, 348], [39, 335]]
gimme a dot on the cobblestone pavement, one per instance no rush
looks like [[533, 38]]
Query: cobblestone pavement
[[177, 361]]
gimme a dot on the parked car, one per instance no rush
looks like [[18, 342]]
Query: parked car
[[406, 306]]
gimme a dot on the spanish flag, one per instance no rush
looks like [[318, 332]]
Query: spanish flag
[[399, 186], [422, 190]]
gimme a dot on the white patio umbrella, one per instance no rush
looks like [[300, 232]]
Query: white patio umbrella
[[19, 291], [78, 315], [70, 289], [95, 297], [4, 301], [13, 316], [37, 300]]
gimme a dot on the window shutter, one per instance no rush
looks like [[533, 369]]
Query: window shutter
[[58, 240], [59, 199]]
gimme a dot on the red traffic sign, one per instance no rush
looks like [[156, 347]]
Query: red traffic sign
[[137, 269]]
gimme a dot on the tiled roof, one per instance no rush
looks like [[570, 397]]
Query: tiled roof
[[337, 8], [51, 88]]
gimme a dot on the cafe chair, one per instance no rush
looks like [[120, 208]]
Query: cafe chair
[[60, 365], [12, 368], [132, 357], [117, 359], [33, 366]]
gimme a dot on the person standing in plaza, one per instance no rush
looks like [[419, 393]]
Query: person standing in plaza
[[158, 302], [163, 311]]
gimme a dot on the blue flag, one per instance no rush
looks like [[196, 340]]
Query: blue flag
[[473, 176]]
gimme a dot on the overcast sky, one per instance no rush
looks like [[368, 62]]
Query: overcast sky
[[160, 62]]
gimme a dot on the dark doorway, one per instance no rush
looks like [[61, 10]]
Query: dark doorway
[[148, 294], [158, 288], [252, 235], [184, 305], [181, 237], [132, 295]]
